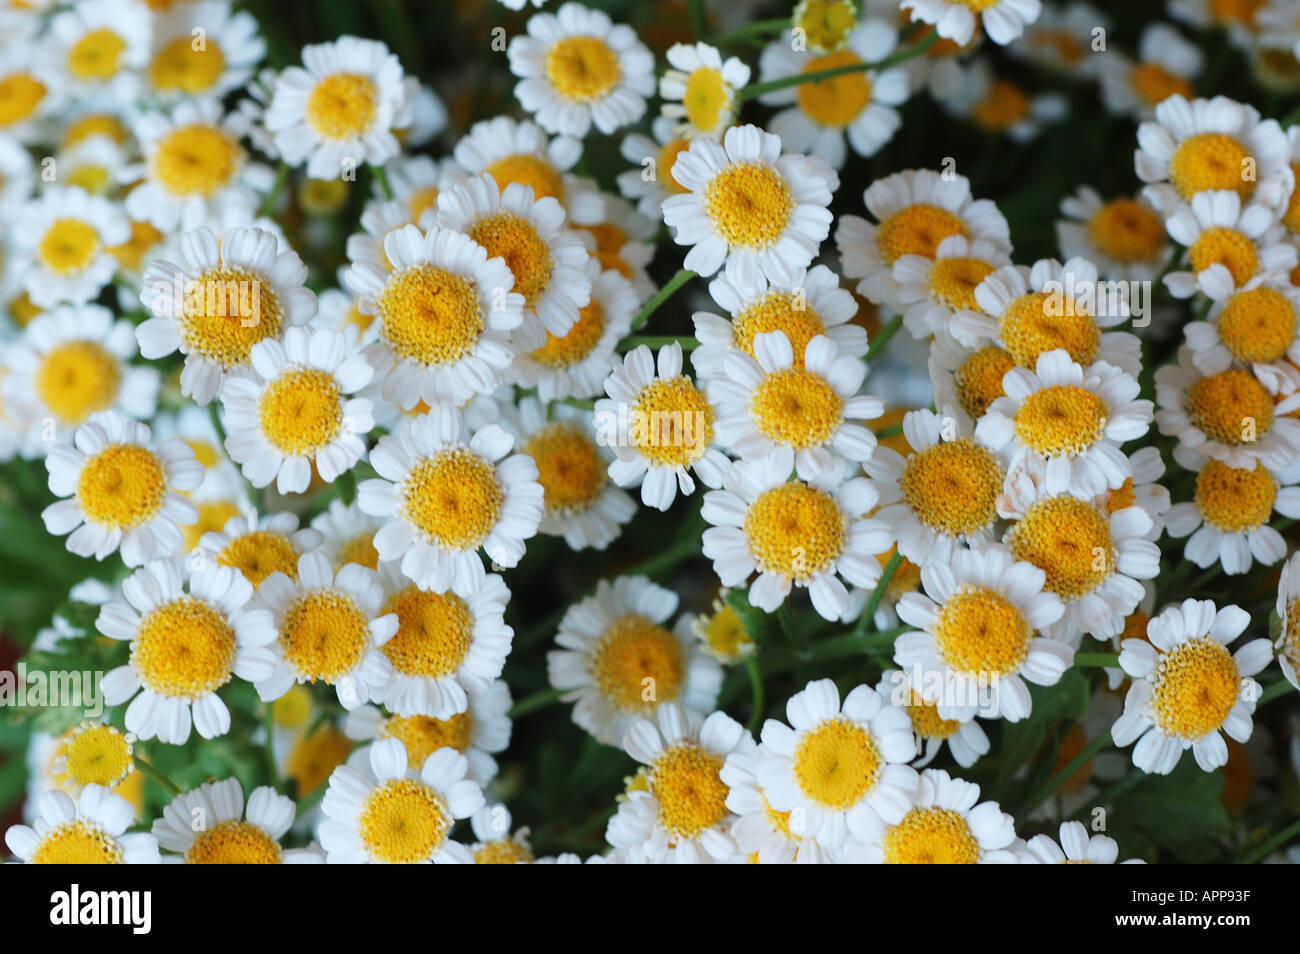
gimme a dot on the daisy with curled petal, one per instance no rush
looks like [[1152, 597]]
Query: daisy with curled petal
[[836, 762], [760, 831], [90, 830], [444, 494], [1167, 64], [699, 89], [941, 495], [653, 157], [808, 532], [548, 261], [812, 303], [347, 535], [938, 293], [1187, 686], [767, 402], [443, 317], [1288, 617], [211, 825], [259, 547], [945, 824], [660, 426], [619, 662], [195, 169], [1094, 557], [1227, 244], [478, 733], [966, 740], [1255, 326], [120, 494], [1207, 145], [1124, 236], [98, 47], [228, 295], [1070, 420], [1076, 847], [578, 69], [71, 362], [1230, 416], [682, 816], [339, 109], [382, 812], [293, 411], [915, 210], [189, 637], [745, 199], [977, 621], [857, 105], [1003, 20], [63, 237], [230, 50]]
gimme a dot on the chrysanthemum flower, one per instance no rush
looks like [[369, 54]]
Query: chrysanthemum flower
[[1076, 847], [93, 753], [1228, 244], [699, 89], [1002, 107], [91, 830], [210, 825], [623, 241], [578, 69], [64, 236], [99, 46], [383, 813], [1124, 236], [967, 380], [966, 740], [651, 180], [347, 535], [120, 493], [723, 634], [1002, 20], [938, 293], [416, 182], [1239, 18], [1141, 490], [619, 662], [259, 547], [27, 89], [189, 638], [211, 63], [746, 199], [496, 845], [1166, 65], [1187, 686], [760, 831]]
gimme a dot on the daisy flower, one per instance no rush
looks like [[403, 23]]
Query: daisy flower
[[71, 362], [30, 91], [1070, 420], [966, 740], [938, 293], [943, 494], [381, 812], [218, 59], [682, 816], [1209, 145], [745, 199], [90, 830], [1255, 326], [120, 494], [660, 427], [347, 535], [856, 105], [760, 832], [945, 824], [578, 69], [1229, 416], [619, 662], [548, 261], [99, 46], [1239, 18], [977, 621], [339, 109], [723, 634], [1002, 20], [999, 106], [495, 844], [652, 181], [1187, 686], [1227, 245], [64, 235], [1061, 40], [211, 825], [443, 317], [1166, 65], [228, 295], [1141, 490], [195, 169], [292, 412], [189, 637], [1093, 557], [812, 303], [915, 210], [316, 603], [808, 532], [417, 181], [478, 733], [259, 547], [1288, 616], [835, 763], [1076, 847], [623, 242], [1124, 237], [699, 89], [444, 494], [93, 753]]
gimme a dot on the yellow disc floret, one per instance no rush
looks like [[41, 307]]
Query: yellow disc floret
[[1033, 324], [1211, 161], [836, 764], [184, 649], [179, 67], [917, 230], [952, 281], [685, 782], [931, 836], [300, 411], [1197, 683], [1127, 231], [324, 635], [537, 173], [978, 379], [423, 735], [453, 498], [1227, 247], [430, 315], [98, 755], [233, 843], [671, 422], [795, 531], [749, 205], [1069, 540], [797, 408], [434, 633], [1235, 499], [516, 240], [978, 630], [122, 486], [260, 553], [582, 68], [403, 822], [1258, 325], [1230, 407], [777, 311], [68, 246], [227, 310], [1061, 420], [569, 468], [196, 160], [637, 664], [838, 101], [577, 343], [77, 843], [342, 106], [78, 378], [952, 487], [97, 55]]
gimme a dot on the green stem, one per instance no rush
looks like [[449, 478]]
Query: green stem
[[757, 28], [1064, 775], [878, 593], [699, 25], [381, 177], [676, 282], [816, 76], [158, 778], [655, 342], [882, 339], [892, 431], [756, 692], [281, 177], [1107, 660], [1274, 843], [538, 700]]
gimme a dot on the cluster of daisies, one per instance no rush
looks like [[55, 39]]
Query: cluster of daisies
[[317, 484]]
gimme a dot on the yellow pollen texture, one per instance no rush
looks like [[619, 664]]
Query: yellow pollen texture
[[233, 843], [979, 630], [516, 240], [952, 486], [260, 553], [638, 664], [1121, 497], [578, 342], [68, 246], [179, 67], [952, 281], [1258, 325], [1209, 161], [978, 379], [96, 55], [503, 851], [1230, 407], [1233, 499], [917, 230], [98, 755], [324, 635], [122, 486], [1291, 218], [836, 764], [1028, 330], [403, 822], [529, 170], [184, 649], [422, 735], [196, 160], [692, 798], [795, 531], [777, 311], [360, 550], [434, 633], [1195, 686], [227, 310], [77, 843], [1062, 420], [1127, 231], [582, 68], [705, 98], [430, 315], [671, 422], [453, 498], [1069, 540], [796, 407], [301, 412], [926, 721], [837, 101], [931, 836], [749, 205], [569, 468], [78, 378], [1226, 247], [342, 106]]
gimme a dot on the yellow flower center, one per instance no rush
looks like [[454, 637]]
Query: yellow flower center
[[578, 342], [78, 378], [1226, 247], [315, 756], [184, 649], [178, 66], [293, 709], [977, 6], [197, 160], [95, 179], [1069, 540], [838, 101], [1257, 325], [20, 95], [1155, 84], [77, 843], [1193, 689], [1028, 330], [705, 98], [664, 162], [826, 24], [638, 664], [1230, 407], [1209, 161], [403, 822], [1121, 498], [749, 205], [422, 735], [1127, 231], [1233, 499], [300, 411], [582, 68], [233, 843], [258, 554], [672, 422], [516, 240], [952, 486], [453, 498], [1060, 42], [979, 630], [99, 755], [226, 311], [837, 764], [529, 170], [342, 106], [952, 281], [917, 230], [1003, 106], [931, 836], [777, 311], [724, 633], [570, 470], [131, 253], [780, 822], [1062, 420], [795, 530], [434, 633], [324, 635], [361, 550], [430, 315], [503, 851], [213, 515], [68, 246], [797, 408], [122, 486], [692, 798], [925, 719], [978, 379], [96, 55], [94, 124]]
